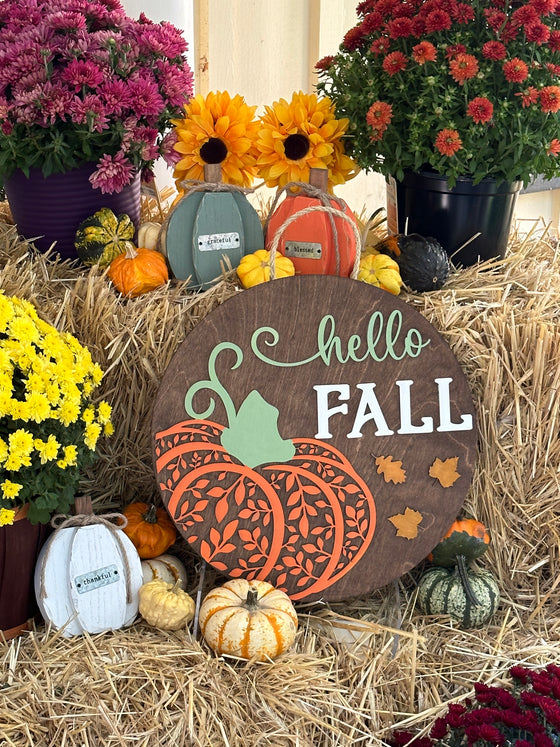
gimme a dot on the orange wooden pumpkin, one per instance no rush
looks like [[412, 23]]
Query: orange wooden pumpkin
[[317, 242]]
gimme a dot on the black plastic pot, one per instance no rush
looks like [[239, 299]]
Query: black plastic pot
[[426, 205]]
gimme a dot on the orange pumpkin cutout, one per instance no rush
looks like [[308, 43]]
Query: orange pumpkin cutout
[[315, 494], [318, 243]]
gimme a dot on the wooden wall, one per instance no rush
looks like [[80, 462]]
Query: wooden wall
[[265, 50]]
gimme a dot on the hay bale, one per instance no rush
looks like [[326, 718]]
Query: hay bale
[[360, 668]]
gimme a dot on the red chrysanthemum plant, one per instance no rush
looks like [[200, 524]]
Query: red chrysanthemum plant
[[462, 89], [524, 714]]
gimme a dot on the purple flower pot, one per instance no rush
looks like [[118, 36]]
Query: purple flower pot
[[50, 209]]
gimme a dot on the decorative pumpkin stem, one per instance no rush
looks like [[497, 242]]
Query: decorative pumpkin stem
[[252, 601], [176, 588], [252, 435], [464, 576], [151, 515], [130, 251]]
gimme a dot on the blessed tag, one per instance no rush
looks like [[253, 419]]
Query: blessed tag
[[316, 432]]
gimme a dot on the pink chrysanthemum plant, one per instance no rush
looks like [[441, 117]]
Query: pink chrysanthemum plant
[[81, 82], [462, 89]]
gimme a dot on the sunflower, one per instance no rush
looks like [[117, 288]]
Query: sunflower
[[218, 129], [297, 136]]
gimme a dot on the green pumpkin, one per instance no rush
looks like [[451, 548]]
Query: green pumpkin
[[470, 600], [423, 263], [103, 236]]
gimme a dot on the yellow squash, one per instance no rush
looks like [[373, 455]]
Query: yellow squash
[[381, 271], [255, 268], [165, 606]]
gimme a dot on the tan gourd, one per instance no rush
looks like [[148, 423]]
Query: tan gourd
[[148, 235]]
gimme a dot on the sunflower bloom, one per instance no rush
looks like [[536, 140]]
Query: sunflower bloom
[[218, 129], [300, 135]]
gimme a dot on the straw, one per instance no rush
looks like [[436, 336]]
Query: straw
[[343, 682]]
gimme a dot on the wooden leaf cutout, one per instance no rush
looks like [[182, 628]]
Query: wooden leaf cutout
[[407, 523], [391, 470], [446, 471]]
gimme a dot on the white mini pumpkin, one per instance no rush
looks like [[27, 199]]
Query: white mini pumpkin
[[148, 235], [166, 568]]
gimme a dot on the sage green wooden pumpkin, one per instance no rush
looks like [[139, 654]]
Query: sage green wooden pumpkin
[[204, 228], [470, 601]]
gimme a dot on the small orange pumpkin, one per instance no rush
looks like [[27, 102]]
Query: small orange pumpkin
[[149, 528], [465, 538], [138, 270]]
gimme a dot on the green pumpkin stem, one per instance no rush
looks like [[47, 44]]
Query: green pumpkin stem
[[462, 570], [252, 600]]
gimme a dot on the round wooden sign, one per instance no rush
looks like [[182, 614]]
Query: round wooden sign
[[316, 432]]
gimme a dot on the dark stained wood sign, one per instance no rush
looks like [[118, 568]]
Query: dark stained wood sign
[[316, 432]]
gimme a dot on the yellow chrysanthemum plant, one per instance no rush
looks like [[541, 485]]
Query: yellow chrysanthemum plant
[[218, 129], [299, 135], [49, 422]]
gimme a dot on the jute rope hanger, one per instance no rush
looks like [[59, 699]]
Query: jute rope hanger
[[333, 206]]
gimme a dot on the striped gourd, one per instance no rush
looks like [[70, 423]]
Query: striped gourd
[[103, 236], [249, 619], [442, 591]]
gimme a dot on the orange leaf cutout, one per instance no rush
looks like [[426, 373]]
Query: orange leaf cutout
[[392, 471], [445, 472], [407, 523]]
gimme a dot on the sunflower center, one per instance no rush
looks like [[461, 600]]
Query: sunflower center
[[296, 146], [214, 150]]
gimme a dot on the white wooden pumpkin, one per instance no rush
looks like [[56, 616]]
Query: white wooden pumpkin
[[166, 568], [87, 578]]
